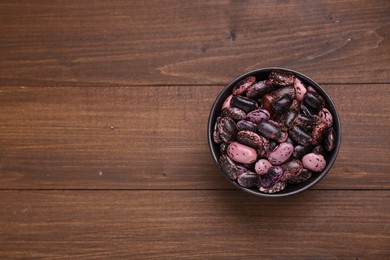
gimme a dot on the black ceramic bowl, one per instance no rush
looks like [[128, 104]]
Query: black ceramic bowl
[[262, 74]]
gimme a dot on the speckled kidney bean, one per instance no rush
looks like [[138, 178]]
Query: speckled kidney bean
[[228, 167], [266, 101], [234, 113], [300, 89], [326, 117], [299, 135], [227, 102], [244, 103], [262, 166], [330, 139], [291, 169], [248, 179], [280, 92], [264, 150], [241, 153], [216, 136], [246, 125], [281, 78], [250, 139], [243, 85], [318, 133], [227, 129], [276, 188], [281, 153], [314, 162], [300, 151], [288, 119], [273, 176], [307, 122], [302, 177], [259, 89], [312, 103], [271, 129], [279, 105], [257, 115]]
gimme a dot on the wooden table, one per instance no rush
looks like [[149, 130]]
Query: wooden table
[[104, 106]]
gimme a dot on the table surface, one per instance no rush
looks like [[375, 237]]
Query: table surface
[[104, 106]]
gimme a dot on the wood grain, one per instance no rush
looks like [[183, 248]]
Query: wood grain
[[155, 138], [105, 43], [193, 225]]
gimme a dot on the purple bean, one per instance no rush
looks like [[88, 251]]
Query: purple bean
[[243, 85], [227, 129], [244, 103], [259, 89], [300, 136], [228, 167], [234, 113], [250, 139], [330, 140], [246, 125]]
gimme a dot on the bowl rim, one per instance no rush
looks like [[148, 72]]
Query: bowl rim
[[318, 88]]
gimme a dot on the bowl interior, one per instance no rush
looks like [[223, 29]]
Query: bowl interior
[[262, 74]]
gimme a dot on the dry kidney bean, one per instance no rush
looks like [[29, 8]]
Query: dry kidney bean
[[289, 91], [281, 78], [281, 153], [270, 129], [288, 119], [302, 177], [330, 139], [300, 151], [257, 115], [243, 85], [250, 138], [248, 179], [300, 89], [314, 162], [234, 112], [259, 89], [312, 103], [241, 153], [244, 103], [226, 129], [300, 135], [281, 104], [273, 133], [262, 166], [266, 101], [307, 122], [318, 132], [291, 169], [228, 167], [246, 125], [326, 117]]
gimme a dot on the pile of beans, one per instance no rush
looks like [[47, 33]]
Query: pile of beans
[[273, 133]]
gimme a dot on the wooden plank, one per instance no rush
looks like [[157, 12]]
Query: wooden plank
[[109, 43], [193, 225], [155, 138]]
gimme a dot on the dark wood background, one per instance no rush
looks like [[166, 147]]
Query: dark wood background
[[104, 106]]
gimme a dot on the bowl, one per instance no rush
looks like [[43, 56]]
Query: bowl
[[262, 74]]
